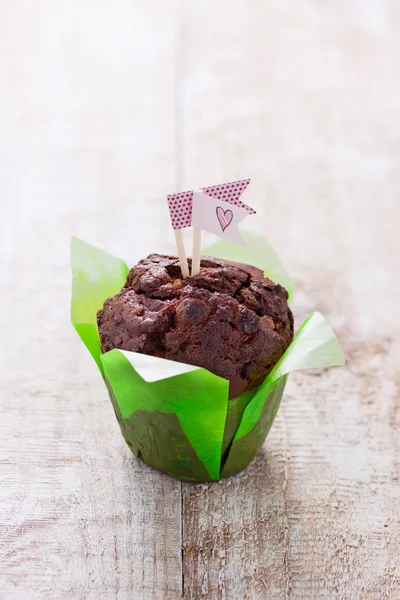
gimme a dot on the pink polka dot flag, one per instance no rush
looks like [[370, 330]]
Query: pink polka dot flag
[[180, 204]]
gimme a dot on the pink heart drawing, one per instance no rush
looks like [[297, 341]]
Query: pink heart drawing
[[224, 217]]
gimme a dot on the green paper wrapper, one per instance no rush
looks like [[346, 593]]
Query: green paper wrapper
[[176, 417]]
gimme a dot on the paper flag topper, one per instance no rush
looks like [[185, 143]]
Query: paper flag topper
[[217, 209], [216, 216], [181, 204]]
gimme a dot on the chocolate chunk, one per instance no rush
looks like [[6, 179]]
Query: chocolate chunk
[[192, 311], [249, 321]]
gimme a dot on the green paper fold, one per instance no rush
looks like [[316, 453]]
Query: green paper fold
[[177, 417], [261, 413], [151, 368], [198, 399], [96, 275], [315, 345]]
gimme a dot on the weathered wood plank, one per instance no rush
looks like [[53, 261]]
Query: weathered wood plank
[[87, 134], [301, 98]]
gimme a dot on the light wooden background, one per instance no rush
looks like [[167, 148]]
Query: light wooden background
[[105, 107]]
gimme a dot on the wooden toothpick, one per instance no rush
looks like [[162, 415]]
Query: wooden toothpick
[[196, 251], [181, 253]]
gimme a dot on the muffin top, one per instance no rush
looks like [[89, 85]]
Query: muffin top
[[229, 318]]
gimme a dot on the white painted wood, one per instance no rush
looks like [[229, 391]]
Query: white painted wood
[[105, 109], [303, 98], [87, 147]]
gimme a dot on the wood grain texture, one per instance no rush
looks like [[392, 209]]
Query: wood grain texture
[[305, 106], [104, 109], [87, 117]]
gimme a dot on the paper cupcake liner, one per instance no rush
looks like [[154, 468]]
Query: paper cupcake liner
[[177, 417]]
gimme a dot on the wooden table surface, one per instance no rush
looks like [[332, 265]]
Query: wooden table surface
[[105, 107]]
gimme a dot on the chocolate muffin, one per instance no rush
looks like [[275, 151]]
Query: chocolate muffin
[[229, 318]]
